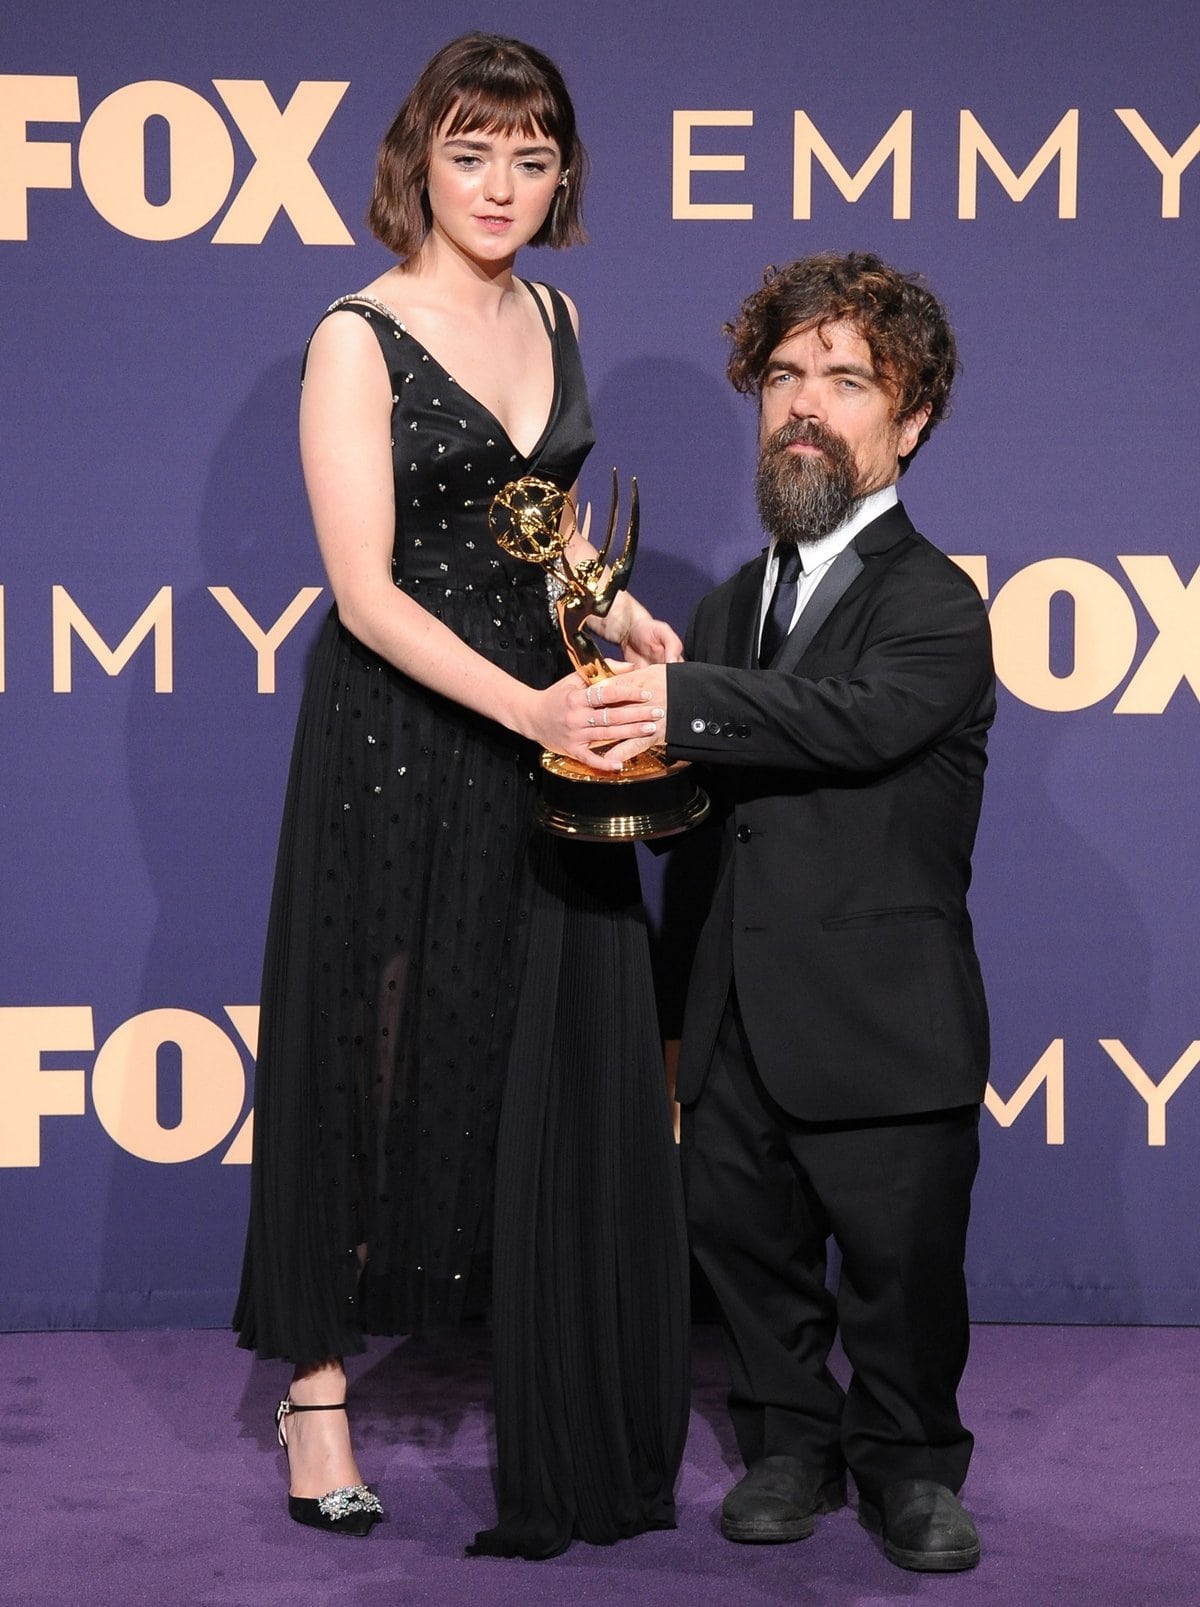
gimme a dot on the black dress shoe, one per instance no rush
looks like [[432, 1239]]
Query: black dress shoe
[[351, 1510], [778, 1499], [923, 1526]]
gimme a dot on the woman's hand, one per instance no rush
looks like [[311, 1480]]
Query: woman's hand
[[572, 718], [642, 638], [651, 641]]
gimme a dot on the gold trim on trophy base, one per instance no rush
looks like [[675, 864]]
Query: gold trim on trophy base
[[652, 800]]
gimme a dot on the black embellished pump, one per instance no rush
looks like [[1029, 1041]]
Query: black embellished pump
[[353, 1509]]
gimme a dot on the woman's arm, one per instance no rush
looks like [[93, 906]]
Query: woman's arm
[[627, 625], [345, 448]]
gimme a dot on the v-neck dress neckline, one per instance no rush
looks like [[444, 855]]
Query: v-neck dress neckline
[[552, 333]]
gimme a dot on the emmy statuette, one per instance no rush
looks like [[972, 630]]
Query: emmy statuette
[[533, 520]]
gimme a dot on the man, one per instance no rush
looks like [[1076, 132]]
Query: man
[[838, 691]]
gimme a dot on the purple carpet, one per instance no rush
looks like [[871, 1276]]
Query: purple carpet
[[141, 1467]]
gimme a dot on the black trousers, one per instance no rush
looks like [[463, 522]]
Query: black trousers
[[765, 1193]]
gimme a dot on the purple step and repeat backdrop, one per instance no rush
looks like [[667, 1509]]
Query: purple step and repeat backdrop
[[181, 192]]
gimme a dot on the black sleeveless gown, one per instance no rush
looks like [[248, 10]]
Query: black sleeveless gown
[[459, 1089]]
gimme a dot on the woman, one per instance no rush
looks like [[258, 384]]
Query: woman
[[458, 1034]]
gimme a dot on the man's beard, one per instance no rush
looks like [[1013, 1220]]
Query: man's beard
[[802, 497]]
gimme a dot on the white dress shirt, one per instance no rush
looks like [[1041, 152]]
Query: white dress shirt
[[816, 556]]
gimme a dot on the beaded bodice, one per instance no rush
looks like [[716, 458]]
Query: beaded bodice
[[451, 455]]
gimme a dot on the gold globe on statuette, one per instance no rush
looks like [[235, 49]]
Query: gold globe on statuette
[[534, 520]]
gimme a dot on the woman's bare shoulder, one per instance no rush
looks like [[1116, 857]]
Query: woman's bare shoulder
[[542, 292]]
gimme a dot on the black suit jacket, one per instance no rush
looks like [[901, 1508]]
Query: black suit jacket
[[846, 782]]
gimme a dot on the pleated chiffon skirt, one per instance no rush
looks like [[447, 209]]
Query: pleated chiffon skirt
[[590, 1314]]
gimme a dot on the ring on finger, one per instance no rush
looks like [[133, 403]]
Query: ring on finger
[[591, 719], [590, 704], [606, 716]]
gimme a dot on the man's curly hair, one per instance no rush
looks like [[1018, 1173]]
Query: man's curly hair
[[903, 323]]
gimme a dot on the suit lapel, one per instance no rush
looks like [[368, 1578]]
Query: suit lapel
[[890, 527], [741, 641], [844, 568]]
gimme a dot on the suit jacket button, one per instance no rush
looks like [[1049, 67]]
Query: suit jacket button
[[744, 834], [698, 727], [743, 730], [727, 729], [714, 730]]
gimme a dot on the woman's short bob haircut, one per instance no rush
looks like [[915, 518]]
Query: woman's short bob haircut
[[492, 85]]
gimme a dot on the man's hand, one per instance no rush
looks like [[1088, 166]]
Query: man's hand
[[642, 686]]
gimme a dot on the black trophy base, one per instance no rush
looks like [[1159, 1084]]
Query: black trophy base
[[654, 800]]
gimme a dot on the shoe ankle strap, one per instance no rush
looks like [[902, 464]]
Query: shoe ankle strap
[[287, 1406]]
